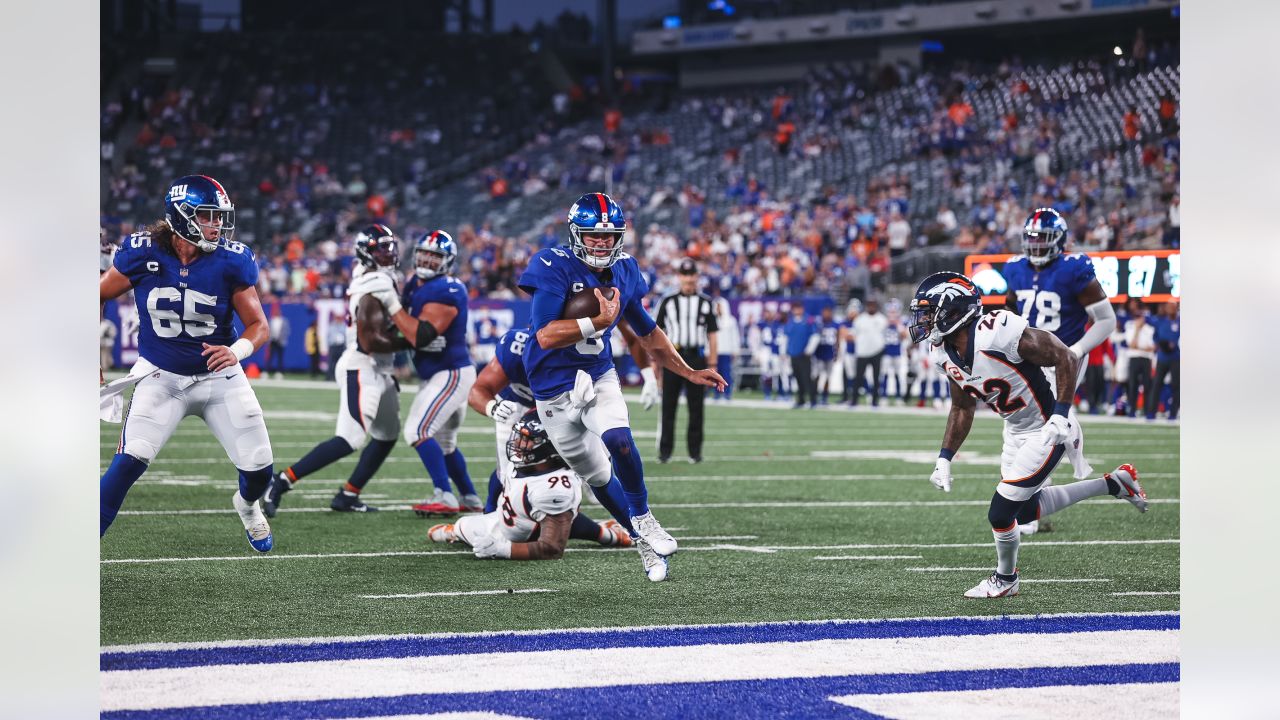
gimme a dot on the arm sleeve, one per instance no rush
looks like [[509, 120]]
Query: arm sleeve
[[1103, 316], [547, 306]]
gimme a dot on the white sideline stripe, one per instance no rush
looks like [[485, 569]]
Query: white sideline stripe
[[869, 557], [1147, 593], [1060, 702], [162, 462], [207, 644], [987, 569], [1070, 580], [692, 506], [949, 569], [695, 548], [457, 594], [490, 672]]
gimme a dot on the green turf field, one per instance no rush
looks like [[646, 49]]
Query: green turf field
[[795, 514]]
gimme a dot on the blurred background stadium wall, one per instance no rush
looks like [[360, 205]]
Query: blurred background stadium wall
[[806, 151]]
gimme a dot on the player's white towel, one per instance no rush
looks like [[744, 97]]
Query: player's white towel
[[111, 395], [583, 393]]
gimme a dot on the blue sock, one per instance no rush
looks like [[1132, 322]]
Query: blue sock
[[433, 460], [371, 458], [456, 462], [253, 483], [326, 453], [628, 467], [116, 481], [584, 528], [495, 489], [615, 501]]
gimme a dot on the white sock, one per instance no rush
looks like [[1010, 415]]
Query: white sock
[[1056, 497], [1007, 550]]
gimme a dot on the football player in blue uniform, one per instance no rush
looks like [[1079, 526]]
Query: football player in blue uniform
[[369, 396], [188, 279], [824, 366], [1057, 292], [569, 366], [895, 361], [437, 323]]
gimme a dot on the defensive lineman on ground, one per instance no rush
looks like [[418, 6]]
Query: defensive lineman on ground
[[998, 359]]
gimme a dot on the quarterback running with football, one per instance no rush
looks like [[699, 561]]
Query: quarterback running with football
[[369, 396], [1057, 292], [188, 279], [999, 359], [570, 369]]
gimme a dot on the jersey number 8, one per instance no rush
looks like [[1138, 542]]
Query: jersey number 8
[[168, 324]]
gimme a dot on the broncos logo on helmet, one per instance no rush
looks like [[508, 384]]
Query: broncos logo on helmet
[[376, 247], [529, 444], [596, 214], [944, 302]]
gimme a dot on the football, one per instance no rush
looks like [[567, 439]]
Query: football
[[584, 304]]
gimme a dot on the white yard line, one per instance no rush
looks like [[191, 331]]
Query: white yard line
[[696, 548], [457, 594], [1147, 593], [869, 557]]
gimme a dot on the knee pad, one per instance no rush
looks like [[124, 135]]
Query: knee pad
[[260, 458], [448, 442], [1002, 512], [356, 439], [141, 449]]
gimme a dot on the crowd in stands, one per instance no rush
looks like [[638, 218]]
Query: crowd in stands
[[815, 187]]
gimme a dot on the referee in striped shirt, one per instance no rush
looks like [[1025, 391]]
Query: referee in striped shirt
[[688, 318]]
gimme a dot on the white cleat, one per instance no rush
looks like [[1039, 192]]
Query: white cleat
[[1035, 526], [1126, 476], [648, 527], [994, 587], [255, 523], [655, 565]]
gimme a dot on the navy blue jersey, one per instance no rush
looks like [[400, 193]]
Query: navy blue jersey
[[449, 350], [510, 355], [1048, 298], [181, 307], [828, 340], [556, 274], [893, 338]]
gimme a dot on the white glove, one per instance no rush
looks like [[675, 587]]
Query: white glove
[[492, 546], [649, 392], [941, 477], [501, 410], [1055, 430], [381, 287]]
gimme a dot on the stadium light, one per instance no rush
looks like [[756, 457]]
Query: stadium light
[[1118, 52]]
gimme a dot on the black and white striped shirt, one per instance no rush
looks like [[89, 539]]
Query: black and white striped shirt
[[686, 319]]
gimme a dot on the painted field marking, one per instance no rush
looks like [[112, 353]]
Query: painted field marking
[[1066, 580], [869, 557], [457, 594], [1056, 702], [765, 549], [1146, 593]]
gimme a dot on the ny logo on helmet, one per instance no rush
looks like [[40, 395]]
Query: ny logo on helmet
[[179, 191]]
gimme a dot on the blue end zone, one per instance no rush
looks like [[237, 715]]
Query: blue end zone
[[651, 637], [787, 698]]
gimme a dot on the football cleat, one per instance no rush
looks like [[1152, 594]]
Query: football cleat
[[648, 527], [342, 502], [471, 503], [278, 487], [1035, 526], [441, 503], [655, 565], [613, 534], [994, 587], [256, 527], [1126, 476], [443, 533]]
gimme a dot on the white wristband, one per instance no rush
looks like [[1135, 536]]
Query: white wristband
[[488, 407], [587, 328], [394, 307], [647, 375], [242, 349]]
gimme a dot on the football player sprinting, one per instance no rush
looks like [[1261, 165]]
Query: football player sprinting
[[999, 359], [437, 319], [501, 393], [188, 278], [1057, 292], [569, 366], [537, 510], [369, 396]]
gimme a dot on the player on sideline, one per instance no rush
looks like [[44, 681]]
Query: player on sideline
[[369, 396], [501, 393], [1001, 360], [188, 277], [1058, 293], [437, 321], [570, 370], [538, 513]]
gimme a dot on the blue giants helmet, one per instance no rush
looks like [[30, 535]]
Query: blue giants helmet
[[375, 247], [435, 254], [944, 303], [196, 202], [596, 214], [1044, 236]]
